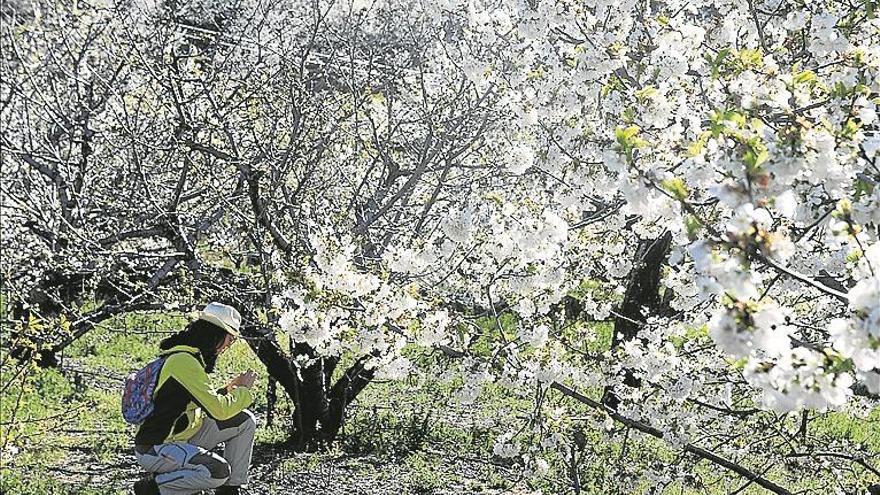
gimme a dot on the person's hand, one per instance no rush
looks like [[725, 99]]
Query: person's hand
[[245, 379], [248, 378]]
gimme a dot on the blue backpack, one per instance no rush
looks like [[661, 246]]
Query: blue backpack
[[137, 397]]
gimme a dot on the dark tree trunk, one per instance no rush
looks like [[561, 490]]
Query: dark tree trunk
[[344, 391], [271, 400], [319, 407], [320, 411], [312, 402], [642, 298], [642, 295]]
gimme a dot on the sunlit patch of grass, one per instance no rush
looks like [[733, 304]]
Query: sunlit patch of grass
[[596, 336], [842, 426], [38, 401], [124, 343], [54, 418], [39, 480], [425, 473]]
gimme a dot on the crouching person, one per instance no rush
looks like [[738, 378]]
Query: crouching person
[[189, 417]]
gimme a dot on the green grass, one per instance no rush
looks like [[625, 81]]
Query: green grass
[[425, 473], [840, 426]]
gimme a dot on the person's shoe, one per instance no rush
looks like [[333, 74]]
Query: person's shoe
[[227, 490], [146, 486]]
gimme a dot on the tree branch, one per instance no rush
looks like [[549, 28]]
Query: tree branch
[[654, 432]]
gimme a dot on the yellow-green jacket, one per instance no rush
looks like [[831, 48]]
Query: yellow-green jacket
[[183, 397]]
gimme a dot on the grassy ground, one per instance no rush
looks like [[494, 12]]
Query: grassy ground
[[70, 438]]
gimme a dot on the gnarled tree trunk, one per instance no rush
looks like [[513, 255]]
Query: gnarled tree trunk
[[319, 406], [642, 298]]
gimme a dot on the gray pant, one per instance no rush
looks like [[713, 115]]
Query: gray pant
[[183, 468]]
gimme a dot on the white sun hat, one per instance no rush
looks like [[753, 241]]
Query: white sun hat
[[225, 317]]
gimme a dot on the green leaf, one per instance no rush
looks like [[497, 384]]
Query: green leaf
[[676, 187], [717, 62], [34, 324], [840, 90], [719, 118], [64, 323], [806, 77], [696, 147], [628, 139], [693, 225], [262, 317], [756, 154], [739, 364], [849, 129], [377, 98], [494, 196], [625, 134], [844, 209], [614, 83], [854, 255], [838, 364], [646, 93], [862, 187], [735, 117], [751, 58], [540, 72], [754, 159]]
